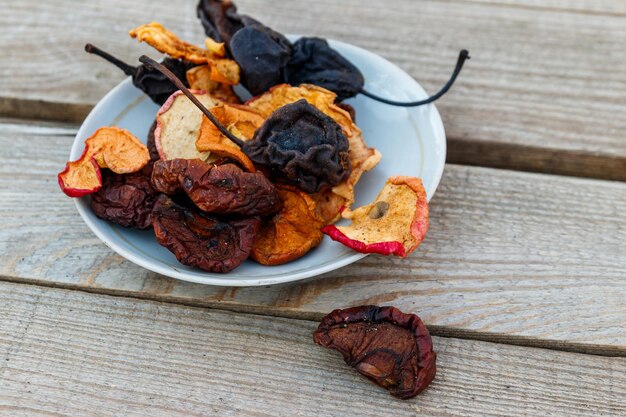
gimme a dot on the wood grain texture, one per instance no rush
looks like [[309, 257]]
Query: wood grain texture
[[117, 356], [511, 257], [544, 90], [609, 7]]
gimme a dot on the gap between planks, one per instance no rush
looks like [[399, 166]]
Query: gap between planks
[[292, 313]]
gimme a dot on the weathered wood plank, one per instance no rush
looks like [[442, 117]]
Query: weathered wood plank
[[610, 7], [544, 90], [512, 257], [118, 356]]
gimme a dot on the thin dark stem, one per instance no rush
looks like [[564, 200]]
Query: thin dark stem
[[128, 69], [463, 56], [151, 63]]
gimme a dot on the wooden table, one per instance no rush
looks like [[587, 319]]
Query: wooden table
[[522, 277]]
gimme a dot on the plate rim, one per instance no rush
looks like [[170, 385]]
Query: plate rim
[[231, 279]]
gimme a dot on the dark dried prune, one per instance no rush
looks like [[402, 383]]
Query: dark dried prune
[[224, 189], [262, 55], [126, 199], [314, 62], [219, 19], [152, 82], [391, 348], [301, 146], [151, 143], [200, 240]]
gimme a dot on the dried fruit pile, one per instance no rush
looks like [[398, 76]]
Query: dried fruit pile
[[222, 181]]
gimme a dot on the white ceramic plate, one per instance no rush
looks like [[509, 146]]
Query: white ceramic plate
[[412, 142]]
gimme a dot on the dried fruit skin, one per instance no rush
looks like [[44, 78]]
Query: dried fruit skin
[[394, 224], [200, 240], [392, 349], [219, 19], [314, 62], [240, 121], [224, 189], [290, 233], [301, 146], [126, 199]]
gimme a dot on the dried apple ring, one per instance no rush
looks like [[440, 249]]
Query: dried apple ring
[[394, 224], [109, 147]]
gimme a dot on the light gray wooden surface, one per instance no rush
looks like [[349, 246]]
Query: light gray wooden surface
[[510, 256], [67, 353], [543, 92], [513, 261]]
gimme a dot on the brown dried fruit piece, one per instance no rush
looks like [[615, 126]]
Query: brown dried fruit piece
[[224, 189], [199, 78], [392, 349], [240, 121], [126, 199], [290, 233], [200, 240], [394, 224], [154, 34], [109, 147]]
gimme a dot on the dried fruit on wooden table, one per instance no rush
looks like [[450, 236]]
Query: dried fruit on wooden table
[[224, 189], [200, 240], [109, 147], [301, 146], [178, 126], [392, 349], [240, 121], [126, 199], [152, 82], [262, 54], [290, 233], [394, 224], [222, 70], [314, 62]]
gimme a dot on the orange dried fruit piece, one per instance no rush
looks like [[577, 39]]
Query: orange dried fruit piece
[[290, 233], [199, 78], [323, 99], [108, 147], [225, 71], [178, 126], [216, 48], [394, 224], [161, 39], [240, 121]]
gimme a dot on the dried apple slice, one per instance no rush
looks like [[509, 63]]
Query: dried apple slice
[[240, 121], [290, 233], [161, 39], [199, 78], [178, 126], [394, 224], [109, 147]]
